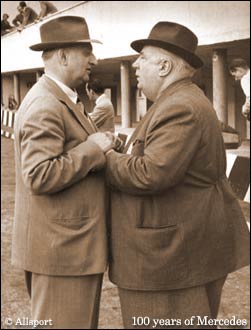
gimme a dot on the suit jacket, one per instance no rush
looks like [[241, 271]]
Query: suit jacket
[[175, 222], [103, 114], [18, 19], [29, 16], [47, 7], [59, 226]]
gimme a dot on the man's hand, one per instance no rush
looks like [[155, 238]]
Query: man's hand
[[246, 109], [118, 143], [103, 140]]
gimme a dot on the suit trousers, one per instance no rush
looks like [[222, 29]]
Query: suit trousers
[[71, 302], [140, 308]]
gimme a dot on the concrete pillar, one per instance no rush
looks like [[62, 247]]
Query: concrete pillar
[[125, 94], [231, 103], [118, 100], [16, 82], [220, 84], [2, 102], [248, 130]]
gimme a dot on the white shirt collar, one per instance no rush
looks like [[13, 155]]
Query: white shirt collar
[[100, 98], [73, 96]]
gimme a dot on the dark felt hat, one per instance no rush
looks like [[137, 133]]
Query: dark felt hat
[[175, 38], [63, 31]]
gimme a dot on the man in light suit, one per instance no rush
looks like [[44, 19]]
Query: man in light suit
[[103, 112], [177, 229], [59, 236], [239, 69]]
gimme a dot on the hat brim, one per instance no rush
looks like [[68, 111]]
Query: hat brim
[[191, 58], [54, 45]]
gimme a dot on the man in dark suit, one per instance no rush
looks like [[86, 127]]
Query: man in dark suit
[[18, 20], [103, 112], [29, 14], [5, 25], [177, 229], [59, 236], [239, 69]]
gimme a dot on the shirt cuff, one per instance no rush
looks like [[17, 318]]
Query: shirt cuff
[[109, 151]]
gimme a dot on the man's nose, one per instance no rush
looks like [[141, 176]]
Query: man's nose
[[135, 64], [93, 60]]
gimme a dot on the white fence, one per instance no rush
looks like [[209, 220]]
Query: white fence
[[7, 122]]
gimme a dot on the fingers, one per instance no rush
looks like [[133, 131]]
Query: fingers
[[110, 135], [104, 141], [118, 143], [107, 141]]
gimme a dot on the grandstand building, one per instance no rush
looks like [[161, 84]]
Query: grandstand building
[[222, 28]]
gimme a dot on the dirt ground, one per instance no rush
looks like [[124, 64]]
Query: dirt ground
[[15, 302]]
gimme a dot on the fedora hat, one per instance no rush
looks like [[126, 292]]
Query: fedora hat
[[173, 37], [63, 31]]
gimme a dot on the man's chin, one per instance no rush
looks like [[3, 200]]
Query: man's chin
[[139, 85], [86, 78]]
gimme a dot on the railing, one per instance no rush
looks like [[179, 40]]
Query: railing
[[7, 122], [20, 28]]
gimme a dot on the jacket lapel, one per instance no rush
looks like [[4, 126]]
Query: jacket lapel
[[86, 119], [143, 124], [76, 109]]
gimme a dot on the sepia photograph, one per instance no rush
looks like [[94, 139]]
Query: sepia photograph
[[125, 165]]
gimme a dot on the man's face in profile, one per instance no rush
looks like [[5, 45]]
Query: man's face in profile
[[238, 73], [80, 63]]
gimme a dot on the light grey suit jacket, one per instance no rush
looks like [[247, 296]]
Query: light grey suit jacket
[[103, 114], [60, 210]]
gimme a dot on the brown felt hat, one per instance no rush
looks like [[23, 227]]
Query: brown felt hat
[[63, 31], [175, 38]]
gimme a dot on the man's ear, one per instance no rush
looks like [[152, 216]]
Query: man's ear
[[62, 55], [165, 67]]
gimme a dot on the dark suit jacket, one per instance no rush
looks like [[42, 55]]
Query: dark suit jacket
[[18, 20], [103, 114], [59, 226], [29, 16], [175, 222]]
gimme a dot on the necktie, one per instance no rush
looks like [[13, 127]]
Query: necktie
[[81, 108]]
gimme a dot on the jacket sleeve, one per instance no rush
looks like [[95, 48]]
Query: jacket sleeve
[[26, 15], [46, 166], [99, 115], [170, 143], [43, 11]]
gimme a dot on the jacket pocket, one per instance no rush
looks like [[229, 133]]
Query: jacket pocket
[[155, 213], [164, 259], [73, 223]]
